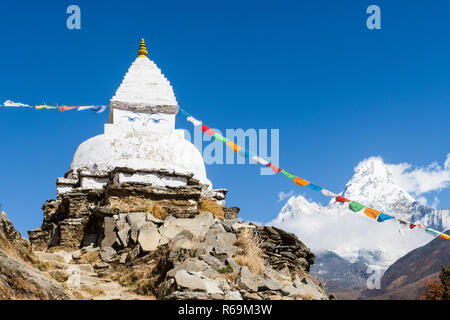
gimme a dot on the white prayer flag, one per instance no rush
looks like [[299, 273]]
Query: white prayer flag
[[9, 103]]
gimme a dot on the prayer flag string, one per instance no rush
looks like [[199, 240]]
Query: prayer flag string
[[353, 205]]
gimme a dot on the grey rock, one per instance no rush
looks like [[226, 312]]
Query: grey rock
[[123, 235], [290, 290], [76, 254], [270, 284], [110, 235], [220, 254], [108, 254], [192, 282], [136, 217], [233, 264], [251, 296], [191, 265], [156, 221], [247, 281], [233, 295], [123, 258], [148, 237], [212, 261], [101, 265]]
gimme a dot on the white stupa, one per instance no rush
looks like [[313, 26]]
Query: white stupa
[[140, 143]]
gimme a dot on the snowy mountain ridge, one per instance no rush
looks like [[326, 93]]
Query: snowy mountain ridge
[[354, 236]]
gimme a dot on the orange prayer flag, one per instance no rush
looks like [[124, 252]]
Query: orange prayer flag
[[233, 146], [371, 212], [444, 236], [301, 182]]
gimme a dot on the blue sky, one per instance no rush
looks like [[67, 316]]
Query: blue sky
[[337, 91]]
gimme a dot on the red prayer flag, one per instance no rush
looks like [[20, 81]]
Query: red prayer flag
[[64, 108], [208, 130], [412, 226], [274, 168], [342, 199]]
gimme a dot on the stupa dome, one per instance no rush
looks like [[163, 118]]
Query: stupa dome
[[140, 135]]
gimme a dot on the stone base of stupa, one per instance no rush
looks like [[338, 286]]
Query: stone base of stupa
[[77, 218]]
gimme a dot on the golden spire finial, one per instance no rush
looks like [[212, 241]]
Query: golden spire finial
[[142, 49]]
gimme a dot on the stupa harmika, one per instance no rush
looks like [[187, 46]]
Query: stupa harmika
[[139, 136]]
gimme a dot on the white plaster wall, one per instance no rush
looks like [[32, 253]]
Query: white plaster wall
[[151, 179], [93, 183], [141, 151], [63, 188], [145, 84]]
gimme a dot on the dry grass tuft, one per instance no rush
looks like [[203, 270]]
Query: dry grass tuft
[[59, 276], [95, 292], [78, 295], [250, 253], [138, 204], [158, 212], [211, 206], [90, 258]]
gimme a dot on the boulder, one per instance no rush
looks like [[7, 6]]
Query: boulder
[[270, 284], [148, 237], [198, 226], [211, 261], [246, 281], [233, 264], [192, 282], [109, 233], [191, 265], [233, 295], [123, 235], [108, 254]]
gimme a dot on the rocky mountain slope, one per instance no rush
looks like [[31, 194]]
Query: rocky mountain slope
[[135, 241], [20, 270], [353, 236], [338, 273], [405, 278]]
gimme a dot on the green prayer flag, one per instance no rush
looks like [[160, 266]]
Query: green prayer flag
[[355, 207], [219, 137], [287, 174]]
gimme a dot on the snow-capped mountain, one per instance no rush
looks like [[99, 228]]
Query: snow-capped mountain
[[354, 236]]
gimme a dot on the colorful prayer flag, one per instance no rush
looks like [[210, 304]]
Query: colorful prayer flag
[[65, 108], [301, 182], [99, 109], [261, 161], [233, 146], [355, 207], [444, 236], [328, 193], [314, 187], [274, 167], [45, 107], [342, 199], [371, 212], [244, 153], [208, 130], [287, 174], [430, 230], [383, 217], [9, 103], [219, 137], [194, 121]]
